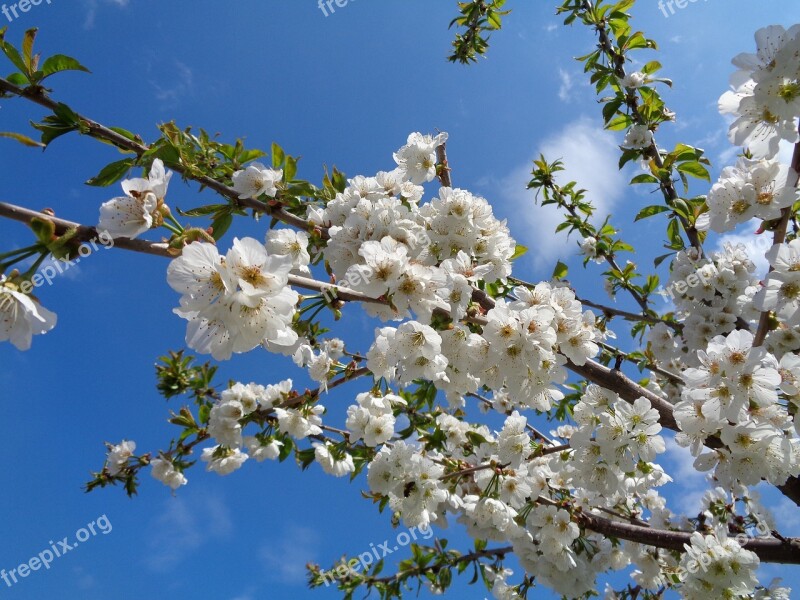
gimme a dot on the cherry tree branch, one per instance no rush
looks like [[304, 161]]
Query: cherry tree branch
[[672, 377], [442, 166], [605, 377], [609, 311], [618, 62], [778, 237], [786, 551], [105, 134], [86, 233], [495, 554]]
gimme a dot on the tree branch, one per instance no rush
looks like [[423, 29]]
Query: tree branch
[[86, 233], [778, 237], [610, 379], [769, 550], [103, 133]]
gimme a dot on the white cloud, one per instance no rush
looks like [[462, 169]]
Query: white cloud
[[691, 484], [564, 92], [287, 556], [182, 528], [84, 580], [590, 157], [786, 516], [756, 245], [92, 6], [180, 85]]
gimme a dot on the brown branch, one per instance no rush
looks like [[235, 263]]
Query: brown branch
[[618, 63], [769, 550], [672, 377], [627, 389], [610, 379], [442, 166], [610, 311], [497, 553], [778, 237], [86, 233], [103, 133]]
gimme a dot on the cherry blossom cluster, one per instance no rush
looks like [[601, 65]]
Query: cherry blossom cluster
[[236, 302], [521, 350], [141, 208], [781, 291], [423, 257], [614, 446], [751, 189], [716, 566], [21, 316], [734, 395], [710, 294], [233, 448], [765, 100]]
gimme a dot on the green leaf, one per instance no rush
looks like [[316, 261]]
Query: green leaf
[[644, 178], [111, 173], [659, 259], [14, 56], [202, 211], [278, 156], [674, 235], [27, 48], [620, 122], [290, 170], [125, 133], [18, 79], [560, 271], [649, 211], [651, 67], [249, 155], [60, 62], [695, 169], [22, 139], [519, 250], [221, 224]]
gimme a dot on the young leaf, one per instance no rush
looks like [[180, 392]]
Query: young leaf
[[60, 62], [519, 250], [649, 211], [560, 271], [22, 139], [111, 173]]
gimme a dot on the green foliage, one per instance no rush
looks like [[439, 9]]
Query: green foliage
[[29, 74], [477, 17]]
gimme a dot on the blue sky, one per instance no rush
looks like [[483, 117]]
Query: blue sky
[[345, 89]]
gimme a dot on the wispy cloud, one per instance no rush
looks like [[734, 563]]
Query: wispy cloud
[[92, 6], [691, 483], [181, 84], [84, 580], [589, 154], [287, 556], [564, 91], [184, 527], [756, 245]]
